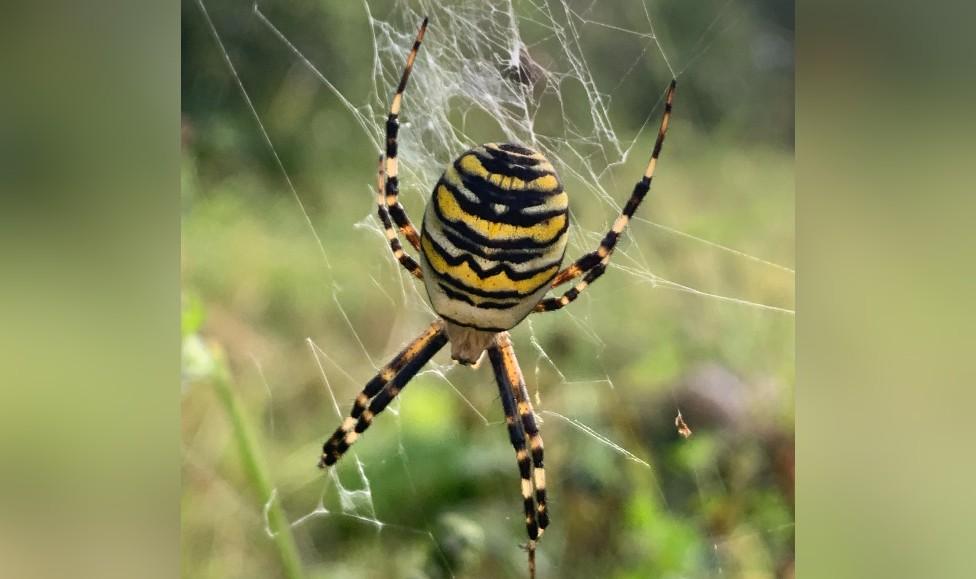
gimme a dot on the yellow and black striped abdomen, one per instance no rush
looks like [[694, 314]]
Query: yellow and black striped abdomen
[[493, 237]]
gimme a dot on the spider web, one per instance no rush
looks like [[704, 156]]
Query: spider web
[[503, 71]]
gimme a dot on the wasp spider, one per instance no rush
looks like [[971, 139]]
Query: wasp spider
[[491, 246]]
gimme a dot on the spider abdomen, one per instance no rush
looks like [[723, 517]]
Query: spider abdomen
[[493, 236]]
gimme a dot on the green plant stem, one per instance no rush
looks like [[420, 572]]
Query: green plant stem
[[256, 471]]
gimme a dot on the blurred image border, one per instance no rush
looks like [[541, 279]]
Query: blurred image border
[[90, 365]]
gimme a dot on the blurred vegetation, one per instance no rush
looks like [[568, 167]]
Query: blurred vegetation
[[624, 358]]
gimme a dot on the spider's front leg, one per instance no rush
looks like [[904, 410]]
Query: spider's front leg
[[382, 389], [520, 418], [593, 264]]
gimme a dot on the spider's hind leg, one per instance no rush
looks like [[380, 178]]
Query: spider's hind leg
[[408, 263], [593, 264], [389, 200]]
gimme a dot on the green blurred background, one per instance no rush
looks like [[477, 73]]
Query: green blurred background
[[622, 360]]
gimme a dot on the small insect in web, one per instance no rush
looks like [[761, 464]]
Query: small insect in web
[[491, 246], [682, 426]]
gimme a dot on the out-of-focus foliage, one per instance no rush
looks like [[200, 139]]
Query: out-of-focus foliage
[[629, 356]]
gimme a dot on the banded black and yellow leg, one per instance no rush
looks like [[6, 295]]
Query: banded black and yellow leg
[[509, 372], [382, 389], [516, 434], [521, 423], [392, 183], [593, 264], [405, 260]]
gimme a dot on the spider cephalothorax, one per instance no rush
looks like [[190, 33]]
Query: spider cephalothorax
[[493, 238], [491, 246]]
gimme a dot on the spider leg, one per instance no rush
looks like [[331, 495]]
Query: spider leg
[[593, 264], [382, 389], [391, 202], [521, 423], [391, 235]]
